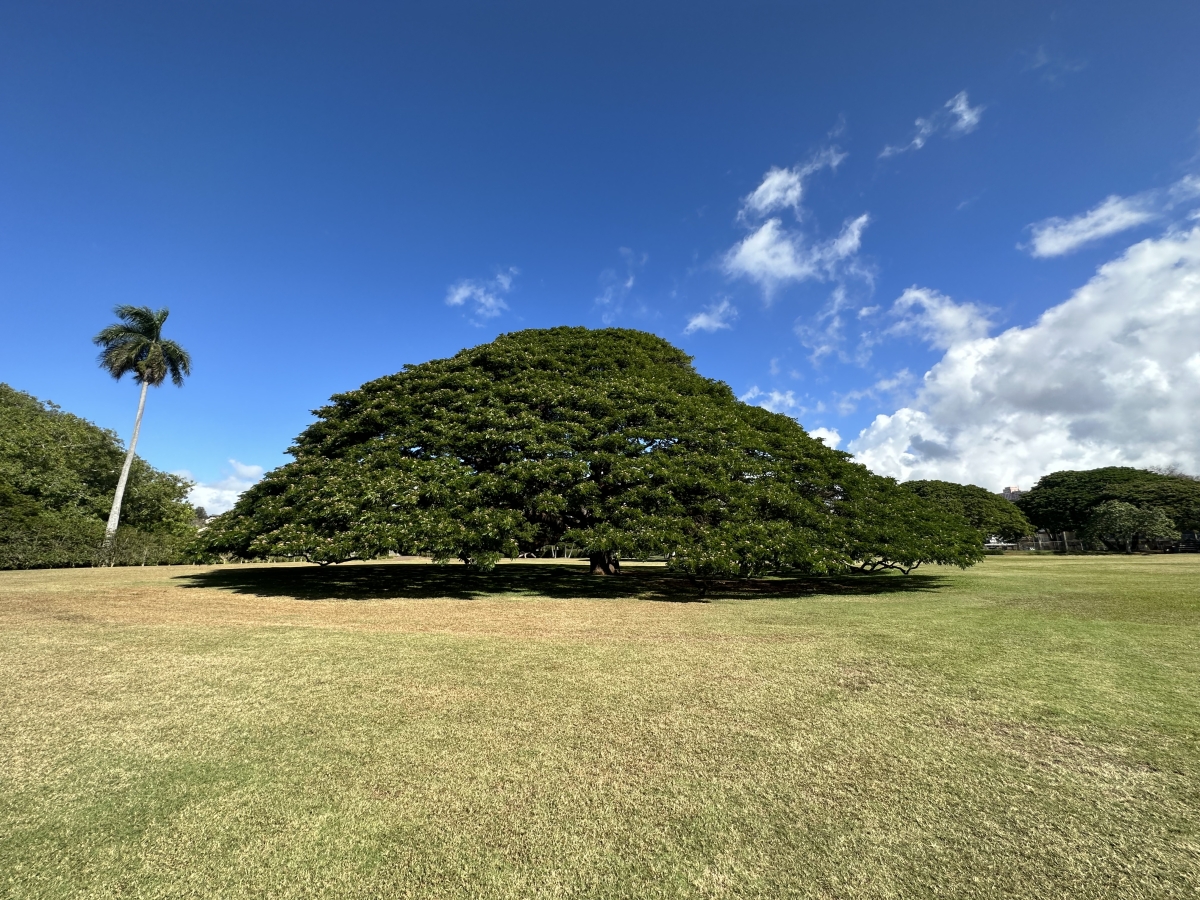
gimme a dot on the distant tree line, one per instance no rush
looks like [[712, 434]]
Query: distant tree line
[[1117, 507], [58, 475]]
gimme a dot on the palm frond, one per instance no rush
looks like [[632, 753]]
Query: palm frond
[[134, 346], [178, 361], [142, 319]]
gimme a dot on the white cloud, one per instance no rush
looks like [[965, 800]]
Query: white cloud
[[784, 188], [713, 318], [966, 117], [956, 117], [1057, 236], [219, 496], [773, 256], [1109, 377], [938, 319], [829, 435], [775, 401], [486, 297], [780, 189]]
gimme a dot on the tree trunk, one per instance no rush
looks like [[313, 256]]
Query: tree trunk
[[115, 515], [605, 562]]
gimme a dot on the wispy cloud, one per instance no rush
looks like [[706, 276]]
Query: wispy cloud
[[713, 318], [484, 296], [1057, 236], [824, 336], [1052, 67], [897, 384], [956, 118], [964, 118], [617, 286], [784, 188]]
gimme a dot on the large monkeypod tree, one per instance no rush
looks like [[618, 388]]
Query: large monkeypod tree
[[607, 441]]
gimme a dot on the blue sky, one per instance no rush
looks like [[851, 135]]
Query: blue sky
[[822, 202]]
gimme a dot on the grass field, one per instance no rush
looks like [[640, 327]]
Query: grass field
[[1028, 728]]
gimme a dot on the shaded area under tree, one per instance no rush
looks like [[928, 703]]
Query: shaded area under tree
[[386, 581]]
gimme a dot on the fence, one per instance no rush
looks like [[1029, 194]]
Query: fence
[[1040, 542], [1043, 541]]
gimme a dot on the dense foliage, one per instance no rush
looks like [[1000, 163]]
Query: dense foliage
[[606, 441], [1065, 501], [989, 514], [57, 476], [1120, 525]]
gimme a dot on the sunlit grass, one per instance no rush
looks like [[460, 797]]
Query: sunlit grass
[[1028, 728]]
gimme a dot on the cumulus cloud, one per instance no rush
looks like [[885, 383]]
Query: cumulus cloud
[[773, 255], [937, 319], [219, 496], [829, 435], [1109, 377], [956, 117], [712, 318], [1056, 236], [485, 296]]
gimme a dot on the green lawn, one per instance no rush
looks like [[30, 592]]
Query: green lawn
[[1028, 728]]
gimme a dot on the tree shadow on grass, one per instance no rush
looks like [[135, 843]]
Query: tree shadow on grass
[[385, 581]]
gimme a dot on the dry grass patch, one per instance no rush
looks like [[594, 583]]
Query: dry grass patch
[[1024, 729]]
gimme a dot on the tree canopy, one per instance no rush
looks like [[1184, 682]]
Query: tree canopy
[[134, 345], [1065, 501], [1123, 524], [990, 514], [607, 441], [57, 475]]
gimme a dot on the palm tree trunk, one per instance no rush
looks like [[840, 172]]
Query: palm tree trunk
[[115, 516]]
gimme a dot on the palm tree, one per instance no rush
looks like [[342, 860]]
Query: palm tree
[[135, 346]]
